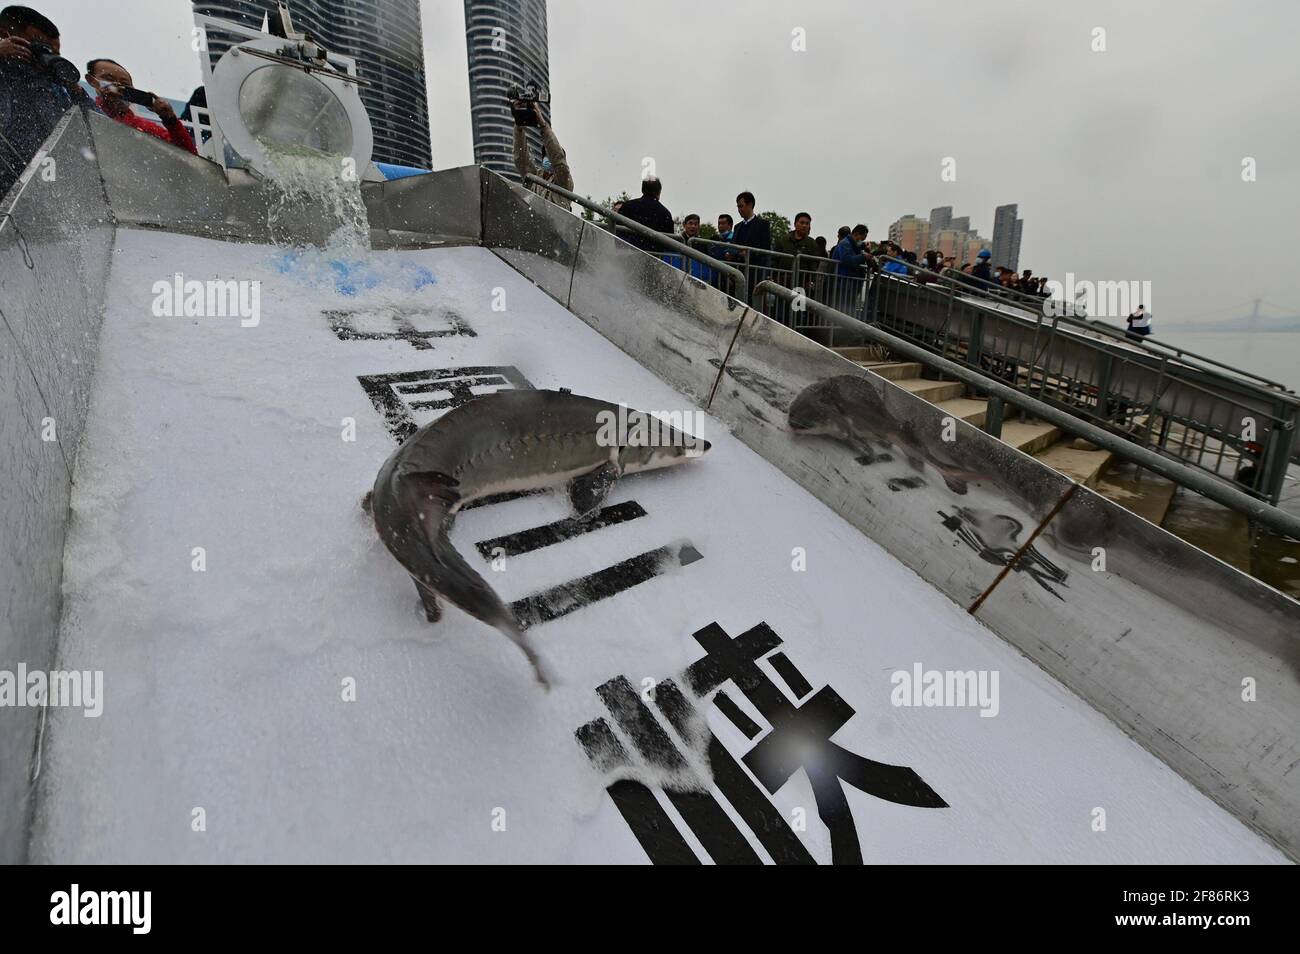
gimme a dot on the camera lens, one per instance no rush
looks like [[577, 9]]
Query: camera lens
[[63, 71]]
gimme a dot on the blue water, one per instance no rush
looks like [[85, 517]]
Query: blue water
[[353, 276]]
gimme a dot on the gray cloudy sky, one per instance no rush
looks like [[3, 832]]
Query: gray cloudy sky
[[1126, 163]]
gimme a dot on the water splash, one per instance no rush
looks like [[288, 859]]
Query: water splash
[[302, 176]]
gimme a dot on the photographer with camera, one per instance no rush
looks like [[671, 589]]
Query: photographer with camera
[[37, 86], [116, 94], [525, 106]]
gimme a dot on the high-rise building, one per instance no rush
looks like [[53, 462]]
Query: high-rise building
[[911, 234], [386, 40], [941, 218], [507, 45], [961, 224], [1006, 236], [950, 242], [962, 244]]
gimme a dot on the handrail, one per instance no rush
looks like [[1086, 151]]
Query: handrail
[[1183, 380], [660, 238], [1215, 489], [997, 294]]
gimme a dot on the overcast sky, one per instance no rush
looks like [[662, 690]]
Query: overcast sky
[[1126, 164]]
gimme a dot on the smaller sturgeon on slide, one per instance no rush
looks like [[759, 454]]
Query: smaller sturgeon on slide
[[852, 409], [505, 442]]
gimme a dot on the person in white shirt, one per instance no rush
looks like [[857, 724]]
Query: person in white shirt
[[1139, 323]]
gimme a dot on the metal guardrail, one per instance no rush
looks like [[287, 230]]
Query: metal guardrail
[[1235, 434], [992, 291], [1239, 431], [1256, 510], [659, 238], [1236, 430]]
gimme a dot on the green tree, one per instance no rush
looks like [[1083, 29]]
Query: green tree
[[779, 223], [708, 231]]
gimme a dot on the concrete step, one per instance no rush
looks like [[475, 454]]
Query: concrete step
[[1083, 466], [1031, 437], [933, 391], [892, 370], [861, 353], [1148, 496], [970, 410]]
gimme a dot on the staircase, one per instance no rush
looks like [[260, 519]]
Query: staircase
[[1143, 493], [1217, 530]]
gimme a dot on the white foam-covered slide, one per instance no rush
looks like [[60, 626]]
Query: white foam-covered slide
[[272, 691]]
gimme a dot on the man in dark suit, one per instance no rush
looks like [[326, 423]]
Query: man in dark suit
[[752, 231], [647, 211]]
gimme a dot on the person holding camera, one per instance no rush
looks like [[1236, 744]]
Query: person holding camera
[[37, 86], [554, 167], [116, 94]]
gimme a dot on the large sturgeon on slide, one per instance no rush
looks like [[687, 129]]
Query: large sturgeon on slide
[[500, 443]]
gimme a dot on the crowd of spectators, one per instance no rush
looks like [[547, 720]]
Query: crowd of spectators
[[747, 242], [38, 86]]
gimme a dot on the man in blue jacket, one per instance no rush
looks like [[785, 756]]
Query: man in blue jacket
[[850, 256], [691, 230], [982, 270], [895, 267]]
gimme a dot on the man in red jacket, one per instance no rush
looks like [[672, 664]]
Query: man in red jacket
[[110, 79]]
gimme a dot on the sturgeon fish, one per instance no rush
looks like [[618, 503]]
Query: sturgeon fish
[[504, 442], [852, 410]]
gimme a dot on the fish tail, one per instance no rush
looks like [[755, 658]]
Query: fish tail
[[541, 669], [487, 606]]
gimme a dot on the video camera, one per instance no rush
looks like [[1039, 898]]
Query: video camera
[[62, 71], [528, 95]]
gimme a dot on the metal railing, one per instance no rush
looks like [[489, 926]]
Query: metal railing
[[1039, 304], [1237, 433], [1240, 431], [659, 238], [1157, 462]]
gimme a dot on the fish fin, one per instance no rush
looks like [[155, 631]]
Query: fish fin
[[434, 483], [432, 611], [367, 502], [588, 491], [955, 484]]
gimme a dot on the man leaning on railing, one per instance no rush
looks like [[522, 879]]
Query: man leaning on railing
[[799, 241], [691, 230], [555, 165]]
